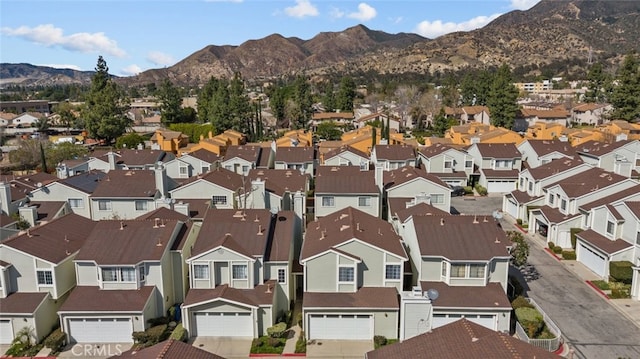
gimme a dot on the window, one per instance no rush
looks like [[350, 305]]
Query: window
[[76, 202], [328, 201], [563, 204], [551, 199], [183, 171], [476, 270], [521, 183], [610, 227], [638, 238], [345, 274], [245, 169], [141, 205], [437, 198], [45, 277], [458, 270], [128, 274], [447, 164], [392, 271], [205, 169], [468, 164], [230, 168], [142, 273], [530, 186], [444, 269], [219, 200], [364, 201], [104, 205], [282, 275], [200, 271], [239, 271], [109, 274], [364, 166]]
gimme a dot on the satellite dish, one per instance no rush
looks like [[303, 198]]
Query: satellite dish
[[497, 215], [39, 184], [433, 294]]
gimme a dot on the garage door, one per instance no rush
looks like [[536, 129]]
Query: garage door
[[340, 326], [512, 208], [500, 186], [591, 259], [6, 332], [487, 321], [103, 330], [216, 324]]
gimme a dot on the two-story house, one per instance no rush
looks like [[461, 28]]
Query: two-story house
[[353, 270], [241, 159], [14, 191], [499, 165], [339, 187], [192, 164], [621, 157], [392, 157], [124, 278], [345, 156], [451, 165], [414, 184], [219, 187], [37, 273], [241, 276], [302, 159], [539, 152]]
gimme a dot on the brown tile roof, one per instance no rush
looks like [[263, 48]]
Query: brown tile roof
[[53, 241], [168, 214], [491, 295], [597, 149], [281, 181], [556, 166], [584, 107], [553, 215], [588, 181], [634, 207], [21, 303], [167, 135], [260, 295], [22, 185], [220, 176], [337, 228], [603, 243], [4, 264], [394, 152], [295, 154], [204, 155], [345, 180], [555, 113], [85, 182], [247, 153], [365, 297], [452, 175], [498, 150], [127, 184], [407, 173], [459, 238], [398, 206], [489, 173], [462, 339], [93, 299], [523, 197], [128, 242], [48, 211], [169, 349], [545, 147], [614, 212], [435, 150], [337, 151], [144, 157], [198, 208], [474, 110]]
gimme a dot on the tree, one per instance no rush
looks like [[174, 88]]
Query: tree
[[301, 112], [278, 102], [329, 98], [329, 131], [625, 97], [188, 115], [170, 98], [597, 80], [502, 98], [105, 107], [239, 105], [130, 140], [65, 151], [346, 94], [67, 116], [520, 249], [440, 123], [468, 90], [27, 155], [42, 124], [450, 93]]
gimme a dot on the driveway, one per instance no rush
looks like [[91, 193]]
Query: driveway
[[226, 347], [476, 205], [94, 350], [345, 349]]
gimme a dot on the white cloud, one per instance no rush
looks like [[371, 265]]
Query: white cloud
[[365, 13], [522, 4], [336, 13], [160, 58], [396, 20], [62, 66], [433, 29], [49, 35], [302, 9], [131, 70]]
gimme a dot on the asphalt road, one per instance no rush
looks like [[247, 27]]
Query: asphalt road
[[590, 325]]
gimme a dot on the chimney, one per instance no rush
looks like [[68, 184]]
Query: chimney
[[182, 208], [162, 182], [258, 194], [112, 160], [298, 209], [30, 214], [62, 171], [379, 176], [5, 198]]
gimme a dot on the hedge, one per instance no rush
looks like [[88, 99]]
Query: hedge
[[56, 340], [569, 255], [277, 331], [531, 320], [521, 302], [179, 333], [557, 249], [574, 231], [621, 271]]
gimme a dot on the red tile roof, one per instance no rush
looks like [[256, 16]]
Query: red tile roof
[[603, 243], [365, 297], [21, 303], [93, 299], [169, 349]]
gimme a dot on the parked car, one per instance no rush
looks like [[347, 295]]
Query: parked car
[[542, 229], [458, 191]]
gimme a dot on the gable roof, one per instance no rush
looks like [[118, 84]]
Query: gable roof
[[603, 243], [280, 181], [144, 157], [344, 225], [558, 165], [489, 296], [22, 303], [22, 185], [247, 153], [204, 155], [620, 195], [596, 149], [435, 150], [168, 349], [498, 150], [394, 152], [220, 176], [338, 151], [405, 174], [460, 237], [634, 207], [86, 182], [53, 241], [93, 299], [165, 213], [259, 295], [398, 207], [345, 180], [365, 297], [588, 181], [545, 147], [295, 154], [126, 183]]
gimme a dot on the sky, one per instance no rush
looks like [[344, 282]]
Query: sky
[[137, 35]]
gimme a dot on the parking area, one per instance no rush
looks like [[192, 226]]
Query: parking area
[[476, 204], [94, 350], [226, 347], [344, 349]]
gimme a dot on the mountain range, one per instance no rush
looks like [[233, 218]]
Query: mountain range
[[568, 33]]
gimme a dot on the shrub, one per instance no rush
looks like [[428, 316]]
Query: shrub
[[56, 340], [481, 190], [621, 271], [140, 337], [299, 319], [573, 232], [468, 189], [267, 345], [157, 334], [158, 321], [557, 250], [521, 302], [551, 245], [602, 285], [179, 333], [301, 344], [277, 331], [519, 221], [379, 341], [569, 255], [619, 290], [531, 320]]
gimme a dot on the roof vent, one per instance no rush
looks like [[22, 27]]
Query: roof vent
[[497, 240], [155, 222], [257, 219], [485, 219], [344, 226], [121, 225], [66, 239], [343, 216], [475, 219], [260, 230], [442, 221], [323, 234], [162, 223]]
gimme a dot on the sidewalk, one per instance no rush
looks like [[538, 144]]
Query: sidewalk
[[290, 345]]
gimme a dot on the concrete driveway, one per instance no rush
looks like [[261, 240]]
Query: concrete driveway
[[226, 347], [338, 348], [476, 205], [94, 350]]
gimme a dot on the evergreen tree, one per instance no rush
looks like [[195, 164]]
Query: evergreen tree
[[502, 98], [239, 105], [278, 102], [170, 98], [483, 87], [205, 97], [440, 123], [106, 106], [329, 98], [468, 90], [625, 97], [302, 111], [346, 94], [597, 80], [450, 93]]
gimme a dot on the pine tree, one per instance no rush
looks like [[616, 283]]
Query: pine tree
[[170, 98], [597, 80], [625, 97], [440, 123], [303, 102], [346, 94], [502, 100], [329, 98]]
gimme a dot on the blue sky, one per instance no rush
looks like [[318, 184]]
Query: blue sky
[[138, 35]]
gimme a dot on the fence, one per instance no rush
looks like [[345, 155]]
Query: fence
[[547, 344]]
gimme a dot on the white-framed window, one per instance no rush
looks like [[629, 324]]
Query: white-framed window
[[563, 204], [476, 270], [104, 205], [142, 273], [468, 164], [364, 201], [200, 271], [219, 200], [184, 171], [346, 274], [638, 238], [205, 169], [392, 271], [229, 167], [448, 164], [530, 186], [282, 275], [521, 186], [239, 271], [364, 166], [141, 205], [610, 227], [245, 169], [458, 270], [45, 277], [444, 269], [128, 274], [437, 198], [551, 199], [328, 201], [76, 202], [110, 274]]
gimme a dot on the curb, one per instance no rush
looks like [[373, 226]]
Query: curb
[[559, 259], [595, 287]]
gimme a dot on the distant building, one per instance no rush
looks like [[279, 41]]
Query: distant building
[[18, 107]]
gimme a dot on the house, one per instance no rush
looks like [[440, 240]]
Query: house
[[415, 185], [577, 136], [341, 118], [276, 190], [192, 164], [167, 349], [616, 128], [295, 138], [545, 131], [498, 165], [539, 152], [14, 191], [241, 279], [353, 270], [339, 187], [6, 118], [449, 164], [460, 135], [139, 159], [37, 273], [26, 119], [220, 188], [240, 159], [593, 114], [345, 156], [169, 141], [125, 277], [302, 159], [462, 339], [379, 117], [497, 135], [392, 157], [467, 114], [621, 157], [465, 259], [555, 115]]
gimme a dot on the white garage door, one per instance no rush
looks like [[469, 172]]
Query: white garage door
[[6, 332], [487, 321], [512, 208], [216, 324], [103, 330], [500, 186], [591, 259], [340, 326]]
